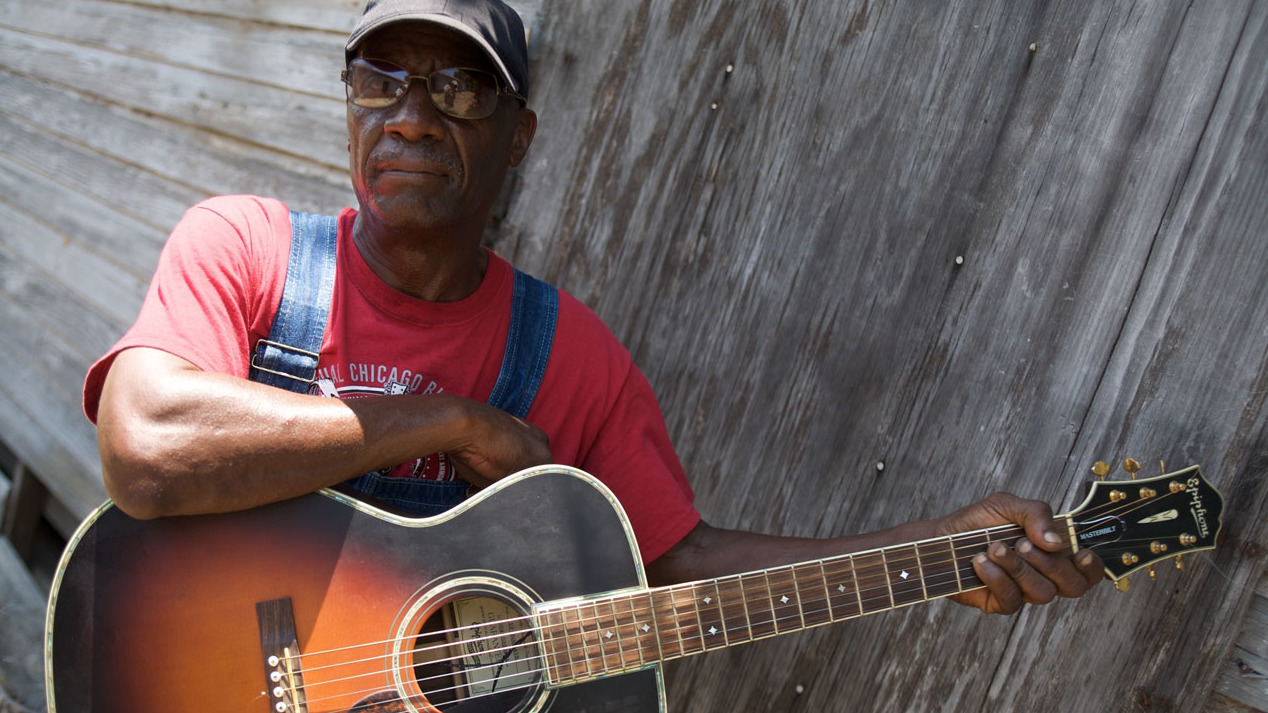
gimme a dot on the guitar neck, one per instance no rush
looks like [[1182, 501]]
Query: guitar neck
[[621, 632]]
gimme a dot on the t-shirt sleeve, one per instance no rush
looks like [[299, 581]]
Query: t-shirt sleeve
[[633, 456], [207, 302]]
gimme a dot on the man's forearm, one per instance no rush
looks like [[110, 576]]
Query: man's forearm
[[176, 440], [708, 552]]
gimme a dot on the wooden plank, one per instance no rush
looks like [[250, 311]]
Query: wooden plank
[[285, 57], [283, 121], [50, 338], [334, 15], [43, 422], [85, 223], [85, 275], [1245, 675], [784, 266], [22, 511], [22, 621], [1208, 267], [150, 168], [5, 487]]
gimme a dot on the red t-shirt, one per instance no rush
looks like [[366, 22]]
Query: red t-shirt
[[217, 287]]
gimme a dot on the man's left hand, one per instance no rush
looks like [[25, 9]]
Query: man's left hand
[[1035, 570]]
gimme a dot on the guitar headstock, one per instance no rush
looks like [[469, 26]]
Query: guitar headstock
[[1135, 523]]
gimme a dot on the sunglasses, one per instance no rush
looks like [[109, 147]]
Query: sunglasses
[[457, 92]]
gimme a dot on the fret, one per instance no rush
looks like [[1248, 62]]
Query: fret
[[709, 607], [937, 562], [568, 638], [967, 547], [903, 575], [665, 621], [587, 643], [643, 619], [761, 614], [687, 615], [609, 649], [734, 610], [873, 582], [553, 639], [785, 601], [843, 590], [813, 591], [629, 641]]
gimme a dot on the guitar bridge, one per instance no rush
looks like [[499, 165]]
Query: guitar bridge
[[278, 642]]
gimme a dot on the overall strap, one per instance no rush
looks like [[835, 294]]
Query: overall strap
[[534, 310], [288, 358]]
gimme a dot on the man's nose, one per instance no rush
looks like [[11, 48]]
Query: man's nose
[[414, 117]]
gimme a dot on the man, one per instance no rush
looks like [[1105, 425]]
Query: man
[[417, 331]]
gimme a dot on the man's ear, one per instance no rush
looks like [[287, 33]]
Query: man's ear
[[525, 129]]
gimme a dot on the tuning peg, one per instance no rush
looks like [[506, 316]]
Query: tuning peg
[[1152, 574], [1123, 584], [1162, 467], [1131, 466], [1180, 562], [1100, 469]]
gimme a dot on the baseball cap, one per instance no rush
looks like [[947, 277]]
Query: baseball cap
[[491, 24]]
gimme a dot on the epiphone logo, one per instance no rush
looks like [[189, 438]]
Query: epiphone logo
[[1198, 510]]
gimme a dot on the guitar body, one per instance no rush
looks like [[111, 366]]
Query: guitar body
[[167, 615]]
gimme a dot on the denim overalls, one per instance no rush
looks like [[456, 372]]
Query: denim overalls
[[288, 358]]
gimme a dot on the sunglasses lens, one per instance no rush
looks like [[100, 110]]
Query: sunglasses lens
[[375, 86], [463, 93]]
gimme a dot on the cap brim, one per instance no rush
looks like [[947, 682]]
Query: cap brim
[[360, 33]]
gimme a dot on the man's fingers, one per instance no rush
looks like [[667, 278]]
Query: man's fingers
[[996, 569], [1035, 587]]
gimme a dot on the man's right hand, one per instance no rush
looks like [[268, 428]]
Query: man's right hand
[[497, 445]]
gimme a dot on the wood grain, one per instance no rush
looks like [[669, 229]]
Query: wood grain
[[878, 259]]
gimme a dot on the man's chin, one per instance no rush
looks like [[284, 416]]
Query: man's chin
[[400, 213]]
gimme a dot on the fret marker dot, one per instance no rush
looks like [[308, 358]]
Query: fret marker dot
[[713, 630], [783, 599], [646, 628], [904, 574], [708, 600], [840, 587], [608, 635]]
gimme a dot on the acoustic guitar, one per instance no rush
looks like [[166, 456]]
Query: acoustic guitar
[[528, 597]]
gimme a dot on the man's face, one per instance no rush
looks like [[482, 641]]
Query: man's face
[[415, 167]]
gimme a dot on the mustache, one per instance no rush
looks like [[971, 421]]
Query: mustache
[[416, 158]]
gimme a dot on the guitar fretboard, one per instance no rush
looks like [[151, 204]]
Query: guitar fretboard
[[616, 633]]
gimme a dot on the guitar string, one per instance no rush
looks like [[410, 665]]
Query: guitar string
[[595, 618], [605, 657], [847, 558], [905, 554], [529, 618], [583, 621], [828, 560]]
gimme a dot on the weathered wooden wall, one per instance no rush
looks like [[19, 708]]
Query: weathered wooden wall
[[981, 243]]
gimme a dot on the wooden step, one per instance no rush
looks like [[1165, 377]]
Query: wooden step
[[21, 633]]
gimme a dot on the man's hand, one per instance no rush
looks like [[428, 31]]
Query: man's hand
[[496, 445], [1037, 569]]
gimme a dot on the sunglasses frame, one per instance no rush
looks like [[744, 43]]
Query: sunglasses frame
[[380, 65]]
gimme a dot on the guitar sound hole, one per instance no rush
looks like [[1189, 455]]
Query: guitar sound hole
[[476, 651]]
